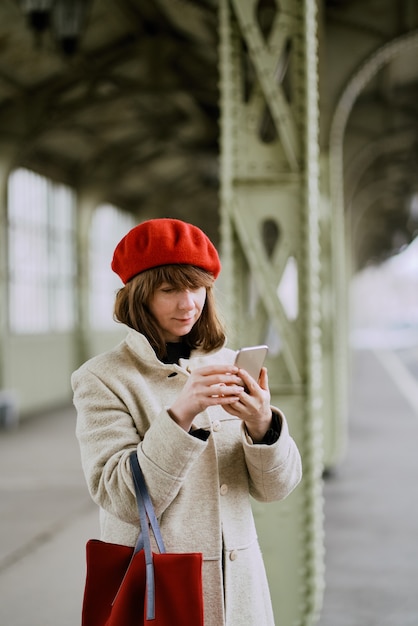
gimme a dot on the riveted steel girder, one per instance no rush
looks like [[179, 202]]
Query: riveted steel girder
[[271, 263]]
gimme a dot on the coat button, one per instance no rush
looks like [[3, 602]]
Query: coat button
[[216, 426], [233, 555], [224, 490]]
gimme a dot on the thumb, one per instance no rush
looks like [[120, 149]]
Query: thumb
[[263, 381]]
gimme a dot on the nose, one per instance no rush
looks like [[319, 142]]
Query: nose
[[186, 302]]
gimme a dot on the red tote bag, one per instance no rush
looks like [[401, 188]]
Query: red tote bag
[[133, 586]]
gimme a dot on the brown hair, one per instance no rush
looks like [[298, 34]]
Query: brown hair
[[132, 306]]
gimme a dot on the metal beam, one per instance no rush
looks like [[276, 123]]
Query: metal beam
[[269, 223]]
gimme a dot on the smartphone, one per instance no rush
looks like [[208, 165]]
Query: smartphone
[[251, 359]]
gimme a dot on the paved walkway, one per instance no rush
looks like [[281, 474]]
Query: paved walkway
[[371, 510], [371, 503], [46, 516]]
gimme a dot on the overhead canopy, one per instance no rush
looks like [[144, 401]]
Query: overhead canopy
[[126, 105], [130, 110]]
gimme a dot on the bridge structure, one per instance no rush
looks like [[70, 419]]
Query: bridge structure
[[286, 129]]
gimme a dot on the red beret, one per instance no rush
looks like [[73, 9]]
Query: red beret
[[164, 241]]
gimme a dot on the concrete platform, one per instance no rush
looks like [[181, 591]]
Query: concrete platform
[[46, 516], [371, 503], [371, 507]]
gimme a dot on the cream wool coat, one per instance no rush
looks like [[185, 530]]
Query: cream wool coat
[[200, 490]]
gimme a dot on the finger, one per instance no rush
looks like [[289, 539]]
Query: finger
[[224, 390], [223, 379], [219, 369], [223, 401], [264, 379], [234, 408], [248, 381]]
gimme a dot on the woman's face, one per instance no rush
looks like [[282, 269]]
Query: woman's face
[[177, 311]]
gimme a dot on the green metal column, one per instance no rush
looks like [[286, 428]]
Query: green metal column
[[335, 354], [7, 156], [270, 251], [87, 201]]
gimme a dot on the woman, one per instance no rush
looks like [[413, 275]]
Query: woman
[[205, 433]]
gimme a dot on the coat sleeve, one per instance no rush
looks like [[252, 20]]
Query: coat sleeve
[[107, 433], [275, 470]]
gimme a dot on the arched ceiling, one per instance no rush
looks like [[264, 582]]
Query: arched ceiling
[[132, 115], [374, 43]]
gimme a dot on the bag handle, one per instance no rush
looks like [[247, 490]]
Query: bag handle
[[142, 497], [146, 514]]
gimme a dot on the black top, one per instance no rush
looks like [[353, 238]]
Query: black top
[[176, 351]]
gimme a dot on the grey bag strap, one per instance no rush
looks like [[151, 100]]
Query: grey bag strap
[[142, 495], [146, 513]]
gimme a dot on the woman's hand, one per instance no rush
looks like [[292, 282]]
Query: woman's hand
[[206, 386], [253, 406]]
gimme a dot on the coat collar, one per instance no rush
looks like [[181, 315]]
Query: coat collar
[[140, 345]]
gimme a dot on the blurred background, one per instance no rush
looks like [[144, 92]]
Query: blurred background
[[286, 130]]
